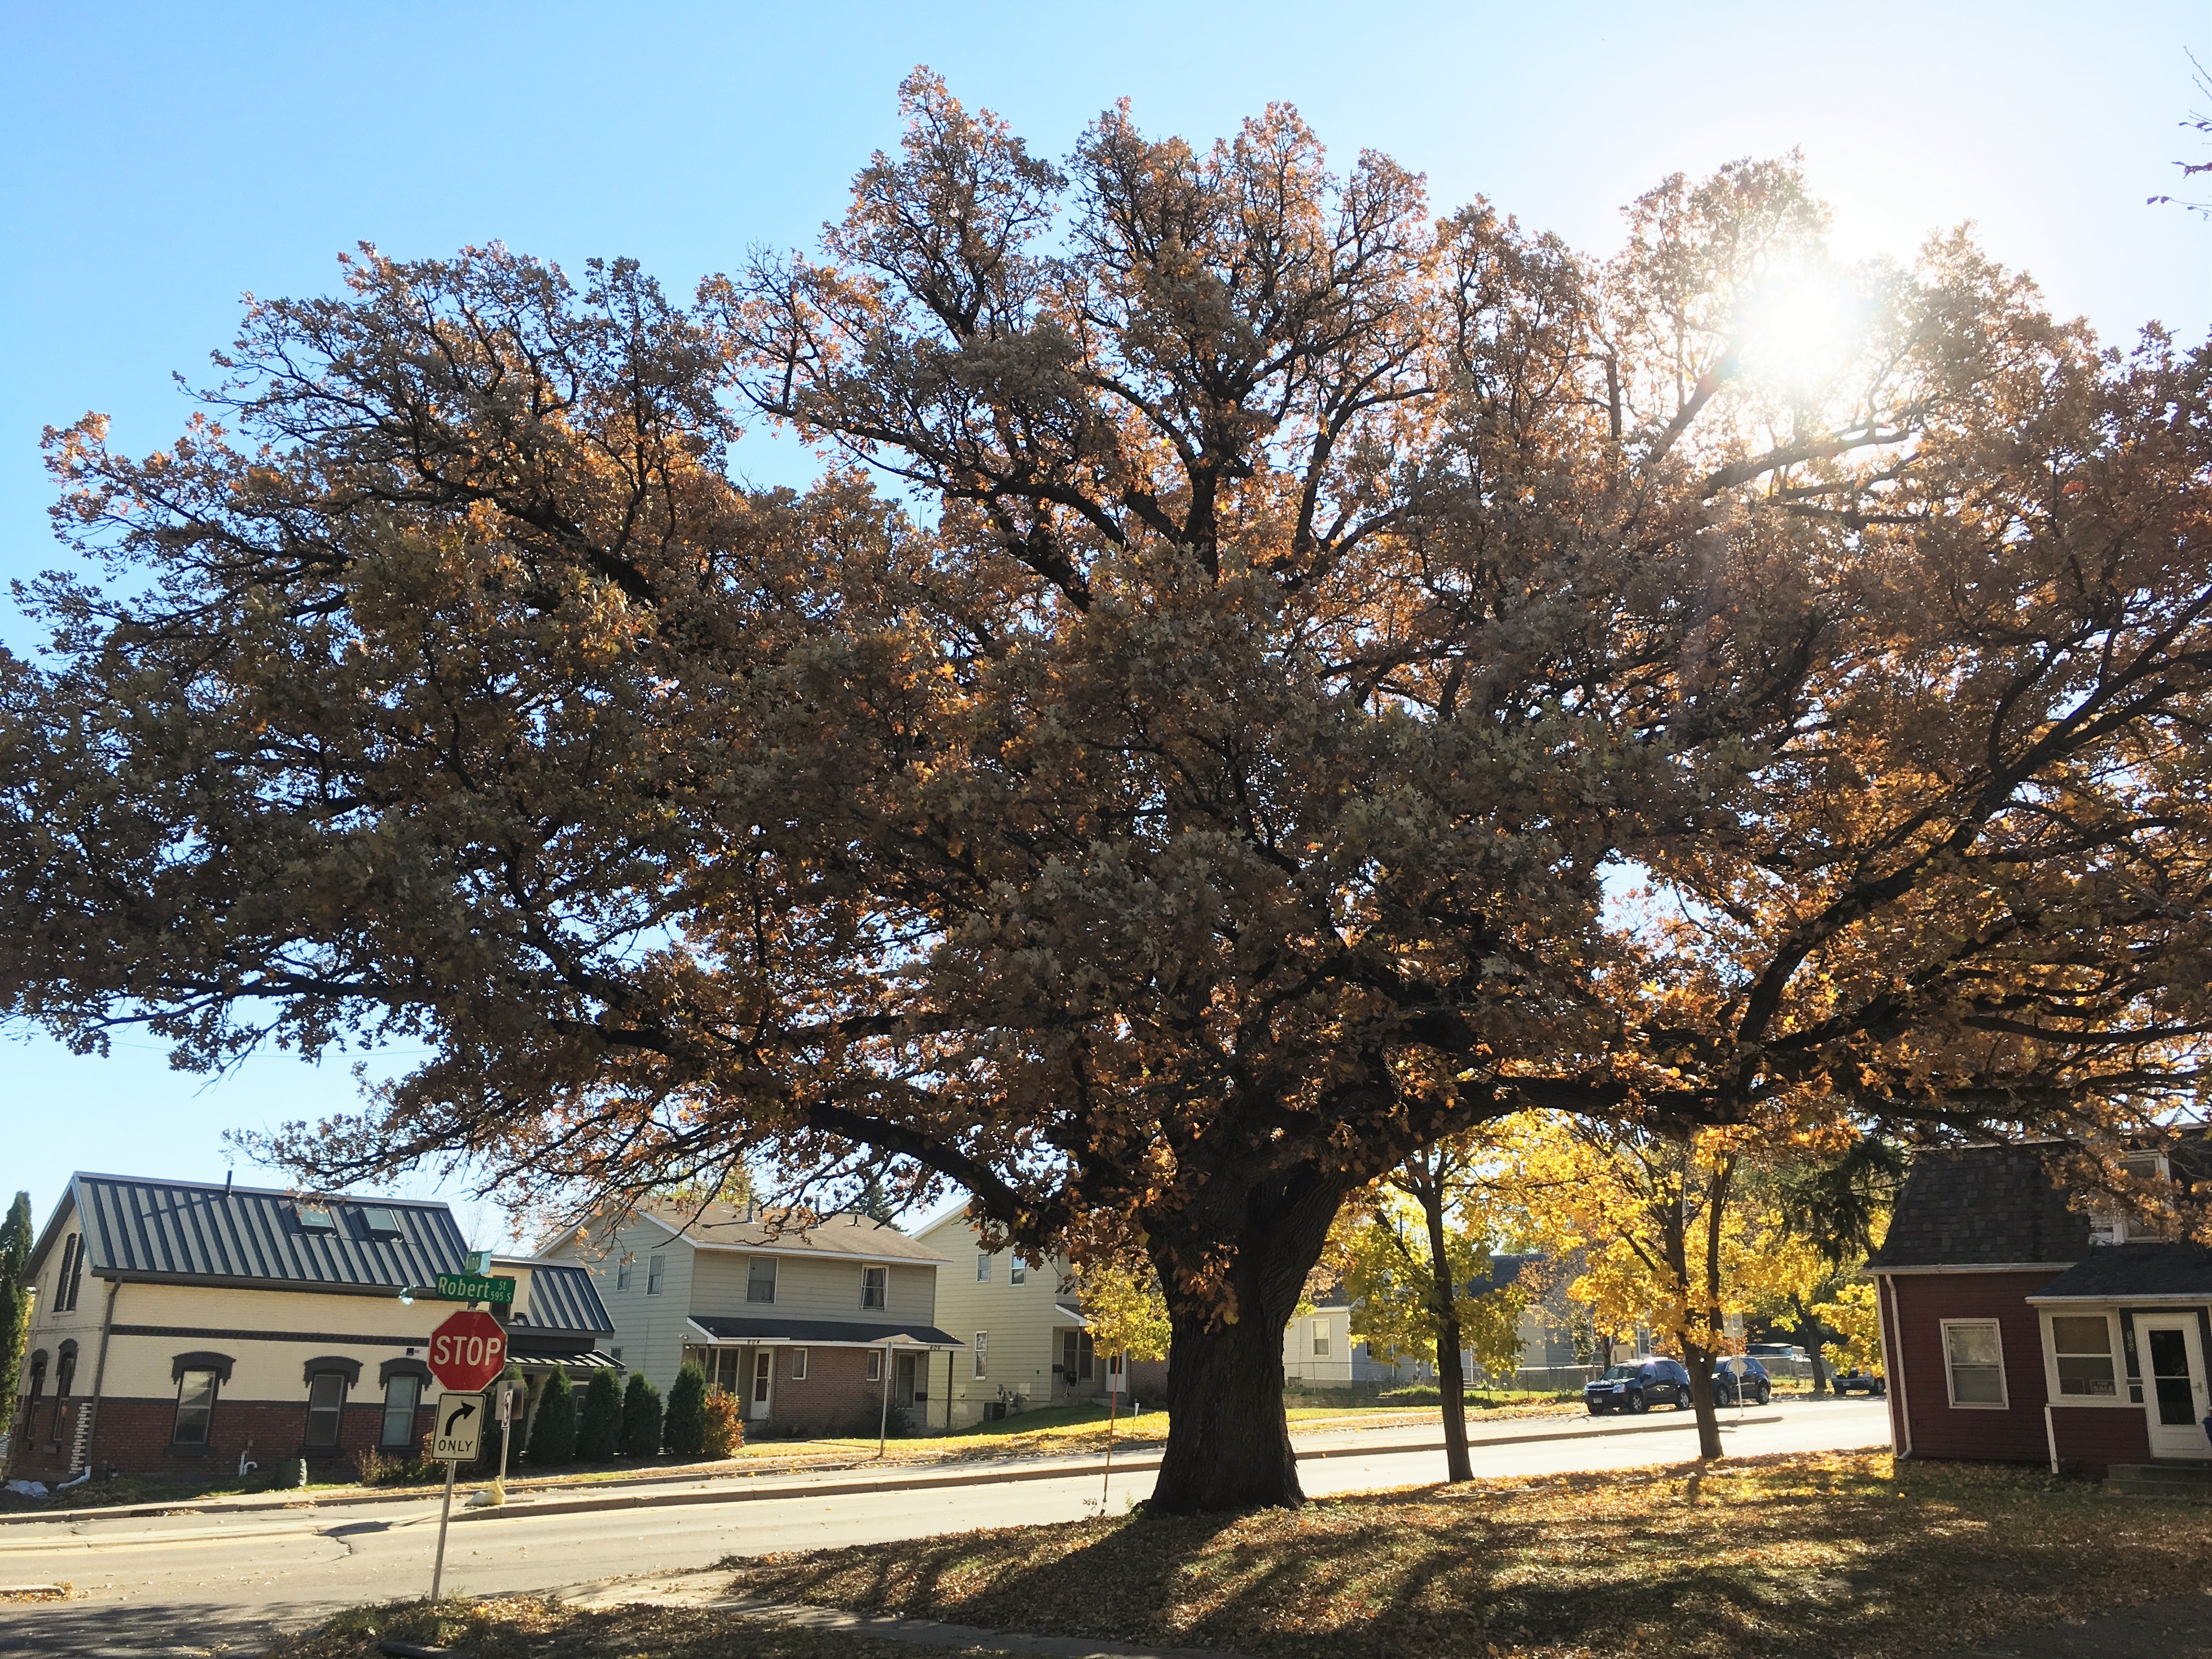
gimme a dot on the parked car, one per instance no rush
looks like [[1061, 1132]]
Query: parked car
[[1731, 1389], [1858, 1382], [1638, 1386], [1777, 1351]]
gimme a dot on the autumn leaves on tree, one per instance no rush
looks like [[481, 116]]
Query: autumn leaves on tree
[[1182, 758]]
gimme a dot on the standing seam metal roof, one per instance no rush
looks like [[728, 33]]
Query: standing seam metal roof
[[189, 1230], [561, 1298]]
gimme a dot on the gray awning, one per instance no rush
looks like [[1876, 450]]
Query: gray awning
[[2135, 1272], [820, 1333]]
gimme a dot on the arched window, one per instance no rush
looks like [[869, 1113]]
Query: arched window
[[65, 1370], [38, 1375], [328, 1381]]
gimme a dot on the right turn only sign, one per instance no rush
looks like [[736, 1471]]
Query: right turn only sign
[[459, 1430]]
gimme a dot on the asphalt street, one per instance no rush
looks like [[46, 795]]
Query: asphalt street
[[186, 1584]]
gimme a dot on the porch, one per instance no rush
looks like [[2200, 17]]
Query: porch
[[2125, 1333], [816, 1376]]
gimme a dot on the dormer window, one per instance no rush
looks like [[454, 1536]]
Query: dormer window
[[316, 1219], [2116, 1225], [381, 1222]]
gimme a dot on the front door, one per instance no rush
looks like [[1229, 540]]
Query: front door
[[758, 1399], [902, 1382], [2173, 1374]]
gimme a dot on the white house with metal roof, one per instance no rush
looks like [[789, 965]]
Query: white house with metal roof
[[180, 1325], [816, 1324]]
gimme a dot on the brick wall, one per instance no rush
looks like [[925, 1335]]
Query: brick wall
[[835, 1395], [134, 1437]]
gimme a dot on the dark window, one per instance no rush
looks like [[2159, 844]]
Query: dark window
[[872, 1287], [401, 1394], [71, 1274], [1075, 1355], [326, 1394], [195, 1407], [66, 1372], [38, 1375], [623, 1269], [760, 1280], [655, 1267]]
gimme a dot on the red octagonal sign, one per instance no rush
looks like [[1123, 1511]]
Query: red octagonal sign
[[468, 1351]]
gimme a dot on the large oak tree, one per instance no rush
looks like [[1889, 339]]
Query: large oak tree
[[1188, 792]]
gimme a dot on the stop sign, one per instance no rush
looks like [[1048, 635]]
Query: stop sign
[[468, 1351]]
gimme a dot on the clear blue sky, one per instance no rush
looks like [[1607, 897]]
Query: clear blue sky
[[158, 160]]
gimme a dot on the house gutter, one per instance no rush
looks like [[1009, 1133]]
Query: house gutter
[[100, 1368], [2051, 1435], [1894, 1323]]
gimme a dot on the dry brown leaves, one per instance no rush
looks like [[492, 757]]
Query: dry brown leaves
[[1840, 1551]]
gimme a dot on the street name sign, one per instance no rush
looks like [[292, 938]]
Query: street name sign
[[475, 1287], [457, 1434], [468, 1351]]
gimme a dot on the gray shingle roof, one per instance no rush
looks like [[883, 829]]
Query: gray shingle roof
[[561, 1298], [821, 1331], [185, 1229], [2141, 1272], [724, 1226], [1981, 1206]]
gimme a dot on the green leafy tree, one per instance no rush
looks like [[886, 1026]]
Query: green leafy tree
[[17, 1237], [641, 1420], [685, 1428], [553, 1431], [599, 1424]]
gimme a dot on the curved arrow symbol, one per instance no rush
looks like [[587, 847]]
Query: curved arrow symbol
[[466, 1408]]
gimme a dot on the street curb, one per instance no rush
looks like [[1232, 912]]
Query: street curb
[[749, 1491]]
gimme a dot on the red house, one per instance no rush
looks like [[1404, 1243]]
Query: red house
[[2017, 1328]]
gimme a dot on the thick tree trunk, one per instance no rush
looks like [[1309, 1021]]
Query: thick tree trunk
[[1811, 1334], [1228, 1443], [1451, 1380]]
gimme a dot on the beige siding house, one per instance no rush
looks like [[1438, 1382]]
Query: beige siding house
[[1027, 1344], [815, 1327], [180, 1327]]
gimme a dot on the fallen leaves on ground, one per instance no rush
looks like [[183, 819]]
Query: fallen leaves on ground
[[531, 1627], [1842, 1553]]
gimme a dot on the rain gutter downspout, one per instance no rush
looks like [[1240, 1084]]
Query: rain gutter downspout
[[100, 1367]]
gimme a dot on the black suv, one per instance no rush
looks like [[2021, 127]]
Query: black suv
[[1858, 1382], [1637, 1387], [1754, 1385]]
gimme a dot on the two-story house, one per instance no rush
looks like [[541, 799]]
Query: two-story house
[[815, 1324], [179, 1325], [1028, 1343]]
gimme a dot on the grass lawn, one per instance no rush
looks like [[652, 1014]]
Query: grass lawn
[[1834, 1554]]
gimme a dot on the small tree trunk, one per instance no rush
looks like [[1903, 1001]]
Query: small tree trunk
[[1699, 1362], [1451, 1380], [1814, 1336]]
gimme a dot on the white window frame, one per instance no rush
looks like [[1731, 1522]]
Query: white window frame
[[982, 1354], [875, 1364], [879, 1280], [623, 1268], [656, 1273], [2119, 1394], [1017, 1272], [752, 1278], [1319, 1338], [798, 1364], [2003, 1401], [983, 1268]]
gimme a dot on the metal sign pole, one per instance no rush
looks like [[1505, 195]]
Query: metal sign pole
[[506, 1439], [883, 1423], [445, 1514]]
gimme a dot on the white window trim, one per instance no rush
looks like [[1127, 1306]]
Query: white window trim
[[798, 1364], [775, 1274], [885, 1304], [982, 1354], [2119, 1394], [1017, 1273], [2003, 1401], [875, 1364], [983, 1268]]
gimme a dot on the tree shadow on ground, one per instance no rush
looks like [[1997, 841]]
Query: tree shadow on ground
[[1688, 1559]]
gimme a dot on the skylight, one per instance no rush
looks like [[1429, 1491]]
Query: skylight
[[316, 1219], [379, 1219]]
